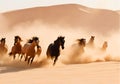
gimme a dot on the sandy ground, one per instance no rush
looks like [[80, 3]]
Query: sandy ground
[[92, 73]]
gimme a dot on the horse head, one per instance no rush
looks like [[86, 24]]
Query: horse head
[[17, 39], [3, 41], [36, 40], [92, 38], [105, 45], [61, 41], [82, 42]]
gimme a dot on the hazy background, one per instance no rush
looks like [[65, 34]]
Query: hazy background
[[21, 4]]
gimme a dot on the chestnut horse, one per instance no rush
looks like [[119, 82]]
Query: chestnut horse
[[53, 50], [26, 46], [16, 49], [3, 47], [29, 50]]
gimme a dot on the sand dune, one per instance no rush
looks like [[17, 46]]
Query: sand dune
[[68, 15]]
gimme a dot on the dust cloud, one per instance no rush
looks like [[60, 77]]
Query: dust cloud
[[48, 33]]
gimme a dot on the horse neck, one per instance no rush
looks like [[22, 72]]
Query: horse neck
[[104, 47], [2, 44], [91, 41], [57, 44], [18, 43], [82, 46], [33, 44]]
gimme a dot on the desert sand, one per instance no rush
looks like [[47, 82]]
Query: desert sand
[[93, 73], [93, 67]]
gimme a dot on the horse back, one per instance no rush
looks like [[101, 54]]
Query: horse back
[[16, 49], [49, 49], [25, 47]]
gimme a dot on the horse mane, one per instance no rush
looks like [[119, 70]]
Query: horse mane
[[81, 41], [18, 37], [30, 41], [60, 37], [3, 39], [91, 39], [33, 39]]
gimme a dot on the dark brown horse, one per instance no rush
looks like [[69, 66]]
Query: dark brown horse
[[53, 50], [16, 49], [3, 47]]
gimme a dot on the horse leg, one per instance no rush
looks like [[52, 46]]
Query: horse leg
[[26, 58], [21, 57], [14, 56], [32, 60], [29, 60], [55, 60]]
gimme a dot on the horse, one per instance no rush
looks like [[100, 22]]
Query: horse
[[26, 46], [39, 50], [81, 44], [29, 50], [16, 49], [3, 46], [91, 42], [104, 46], [53, 50]]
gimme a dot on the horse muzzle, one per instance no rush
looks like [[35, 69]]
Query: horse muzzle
[[63, 47]]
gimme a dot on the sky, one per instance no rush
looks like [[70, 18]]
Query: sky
[[9, 5]]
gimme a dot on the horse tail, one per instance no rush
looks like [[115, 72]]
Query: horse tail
[[49, 51]]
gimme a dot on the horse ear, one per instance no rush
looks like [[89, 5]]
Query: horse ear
[[92, 36], [63, 37]]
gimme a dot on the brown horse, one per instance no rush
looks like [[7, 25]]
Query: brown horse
[[29, 50], [16, 49], [81, 43], [3, 47], [26, 46], [104, 46], [39, 50], [91, 42]]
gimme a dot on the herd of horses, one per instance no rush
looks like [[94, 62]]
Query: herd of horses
[[53, 51]]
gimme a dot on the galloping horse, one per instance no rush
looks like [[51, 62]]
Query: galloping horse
[[104, 46], [3, 47], [39, 50], [29, 51], [53, 50], [26, 46], [82, 43], [16, 49], [91, 42]]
